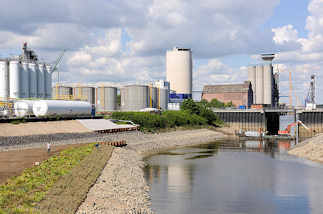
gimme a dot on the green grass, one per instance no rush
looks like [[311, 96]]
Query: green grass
[[22, 193]]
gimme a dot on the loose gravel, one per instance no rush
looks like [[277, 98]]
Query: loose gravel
[[121, 188]]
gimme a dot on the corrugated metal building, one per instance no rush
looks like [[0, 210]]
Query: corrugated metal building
[[238, 94]]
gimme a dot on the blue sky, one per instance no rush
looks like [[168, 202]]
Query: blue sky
[[118, 42]]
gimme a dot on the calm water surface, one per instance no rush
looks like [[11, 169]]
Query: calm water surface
[[233, 177]]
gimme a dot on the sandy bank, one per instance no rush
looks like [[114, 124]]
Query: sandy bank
[[311, 149], [121, 188]]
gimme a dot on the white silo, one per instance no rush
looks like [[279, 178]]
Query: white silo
[[25, 80], [268, 83], [179, 70], [252, 79], [33, 80], [41, 80], [4, 80], [15, 79], [259, 85], [48, 81]]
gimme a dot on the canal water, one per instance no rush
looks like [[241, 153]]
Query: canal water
[[234, 177]]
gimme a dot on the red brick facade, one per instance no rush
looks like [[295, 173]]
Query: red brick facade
[[238, 94]]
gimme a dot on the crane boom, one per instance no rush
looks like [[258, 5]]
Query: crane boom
[[59, 59]]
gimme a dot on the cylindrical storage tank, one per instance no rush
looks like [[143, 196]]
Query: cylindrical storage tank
[[41, 80], [153, 97], [61, 107], [23, 108], [124, 98], [252, 79], [259, 85], [25, 80], [15, 79], [33, 80], [4, 80], [106, 99], [136, 97], [84, 94], [62, 92], [179, 70], [163, 96], [268, 84], [48, 81]]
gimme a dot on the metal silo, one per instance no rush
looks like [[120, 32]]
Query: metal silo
[[106, 99], [41, 80], [15, 79], [259, 84], [25, 80], [179, 70], [135, 97], [33, 80], [252, 79], [48, 81], [268, 83], [124, 98], [153, 97], [85, 94], [4, 80], [163, 96]]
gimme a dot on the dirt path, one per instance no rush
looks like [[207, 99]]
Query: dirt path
[[41, 128], [12, 163]]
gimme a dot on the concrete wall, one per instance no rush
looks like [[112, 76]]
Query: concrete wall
[[236, 98]]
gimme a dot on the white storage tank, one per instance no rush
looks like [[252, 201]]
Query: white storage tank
[[268, 83], [259, 85], [106, 99], [179, 70], [41, 80], [48, 82], [23, 108], [25, 82], [15, 79], [4, 80], [33, 80], [61, 107], [163, 97]]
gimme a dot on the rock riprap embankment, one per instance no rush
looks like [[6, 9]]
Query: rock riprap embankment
[[121, 188]]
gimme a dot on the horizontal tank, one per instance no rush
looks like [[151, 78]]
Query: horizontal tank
[[163, 97], [179, 70], [15, 79], [106, 99], [23, 108], [61, 107], [4, 80]]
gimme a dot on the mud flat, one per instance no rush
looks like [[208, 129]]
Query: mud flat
[[311, 149], [121, 188]]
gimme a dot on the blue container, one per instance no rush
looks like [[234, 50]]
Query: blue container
[[242, 107]]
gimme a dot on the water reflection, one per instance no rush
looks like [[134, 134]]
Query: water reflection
[[234, 177]]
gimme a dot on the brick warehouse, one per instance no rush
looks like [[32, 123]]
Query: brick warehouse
[[238, 94]]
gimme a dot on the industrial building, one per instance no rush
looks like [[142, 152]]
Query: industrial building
[[179, 72], [238, 94], [264, 83], [25, 77]]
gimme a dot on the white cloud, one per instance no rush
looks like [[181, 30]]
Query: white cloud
[[285, 34]]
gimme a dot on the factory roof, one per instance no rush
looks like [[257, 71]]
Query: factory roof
[[228, 88]]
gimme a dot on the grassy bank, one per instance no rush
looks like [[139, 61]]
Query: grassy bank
[[55, 182]]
